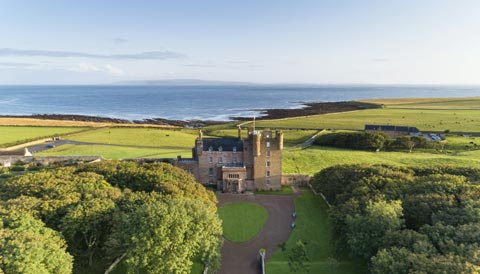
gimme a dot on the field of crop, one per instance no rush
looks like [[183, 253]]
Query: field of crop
[[12, 135], [424, 119], [115, 152], [138, 137], [430, 103], [314, 228], [316, 158]]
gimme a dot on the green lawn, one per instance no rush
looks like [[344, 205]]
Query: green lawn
[[430, 103], [316, 158], [12, 135], [424, 119], [242, 221], [286, 190], [115, 152], [313, 227], [138, 137]]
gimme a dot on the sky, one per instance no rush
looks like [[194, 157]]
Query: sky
[[279, 41]]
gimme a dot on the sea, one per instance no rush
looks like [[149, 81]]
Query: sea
[[196, 102]]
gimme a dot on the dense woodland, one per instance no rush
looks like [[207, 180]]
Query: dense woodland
[[406, 220], [153, 217]]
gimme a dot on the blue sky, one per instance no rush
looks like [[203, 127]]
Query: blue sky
[[326, 42]]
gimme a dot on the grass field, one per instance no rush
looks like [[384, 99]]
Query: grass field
[[115, 152], [423, 119], [12, 135], [430, 103], [242, 221], [316, 158], [138, 137], [313, 227]]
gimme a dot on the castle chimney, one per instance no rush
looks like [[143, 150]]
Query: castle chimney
[[239, 132], [200, 134]]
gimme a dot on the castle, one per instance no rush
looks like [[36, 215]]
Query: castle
[[236, 165]]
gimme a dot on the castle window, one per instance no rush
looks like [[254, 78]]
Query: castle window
[[235, 160], [210, 160], [210, 181], [268, 182], [268, 163], [268, 144], [234, 149], [220, 148], [210, 171], [210, 149], [268, 173], [220, 160], [268, 153]]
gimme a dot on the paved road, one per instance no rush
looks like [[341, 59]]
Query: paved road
[[243, 258], [48, 145]]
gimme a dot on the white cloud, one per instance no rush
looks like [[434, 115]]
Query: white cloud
[[85, 67], [114, 70]]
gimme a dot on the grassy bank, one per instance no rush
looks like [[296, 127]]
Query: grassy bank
[[316, 158], [313, 226]]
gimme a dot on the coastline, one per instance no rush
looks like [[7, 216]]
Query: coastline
[[309, 108]]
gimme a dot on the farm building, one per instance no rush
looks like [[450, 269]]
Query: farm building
[[393, 131]]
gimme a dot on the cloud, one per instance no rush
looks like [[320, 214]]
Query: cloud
[[380, 60], [89, 68], [114, 70], [119, 40], [16, 65], [85, 67], [148, 55]]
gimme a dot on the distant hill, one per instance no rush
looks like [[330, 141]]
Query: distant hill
[[184, 82]]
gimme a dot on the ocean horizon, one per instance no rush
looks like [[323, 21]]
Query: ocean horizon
[[202, 102]]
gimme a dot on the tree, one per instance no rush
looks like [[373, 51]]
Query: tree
[[169, 233], [87, 224], [366, 232], [28, 247], [298, 258]]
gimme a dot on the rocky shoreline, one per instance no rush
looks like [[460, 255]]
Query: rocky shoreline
[[309, 109]]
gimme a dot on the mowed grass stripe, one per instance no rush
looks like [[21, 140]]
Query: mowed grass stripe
[[114, 152], [242, 221], [138, 137], [12, 135]]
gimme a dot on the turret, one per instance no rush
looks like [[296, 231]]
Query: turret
[[279, 135], [256, 143], [199, 144]]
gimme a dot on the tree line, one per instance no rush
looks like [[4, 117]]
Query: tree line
[[406, 220], [372, 141], [153, 218]]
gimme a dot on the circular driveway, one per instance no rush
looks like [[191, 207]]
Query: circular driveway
[[243, 258]]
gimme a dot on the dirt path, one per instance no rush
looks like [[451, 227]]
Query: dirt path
[[243, 258]]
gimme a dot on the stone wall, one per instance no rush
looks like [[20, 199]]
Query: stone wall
[[296, 179], [46, 160]]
